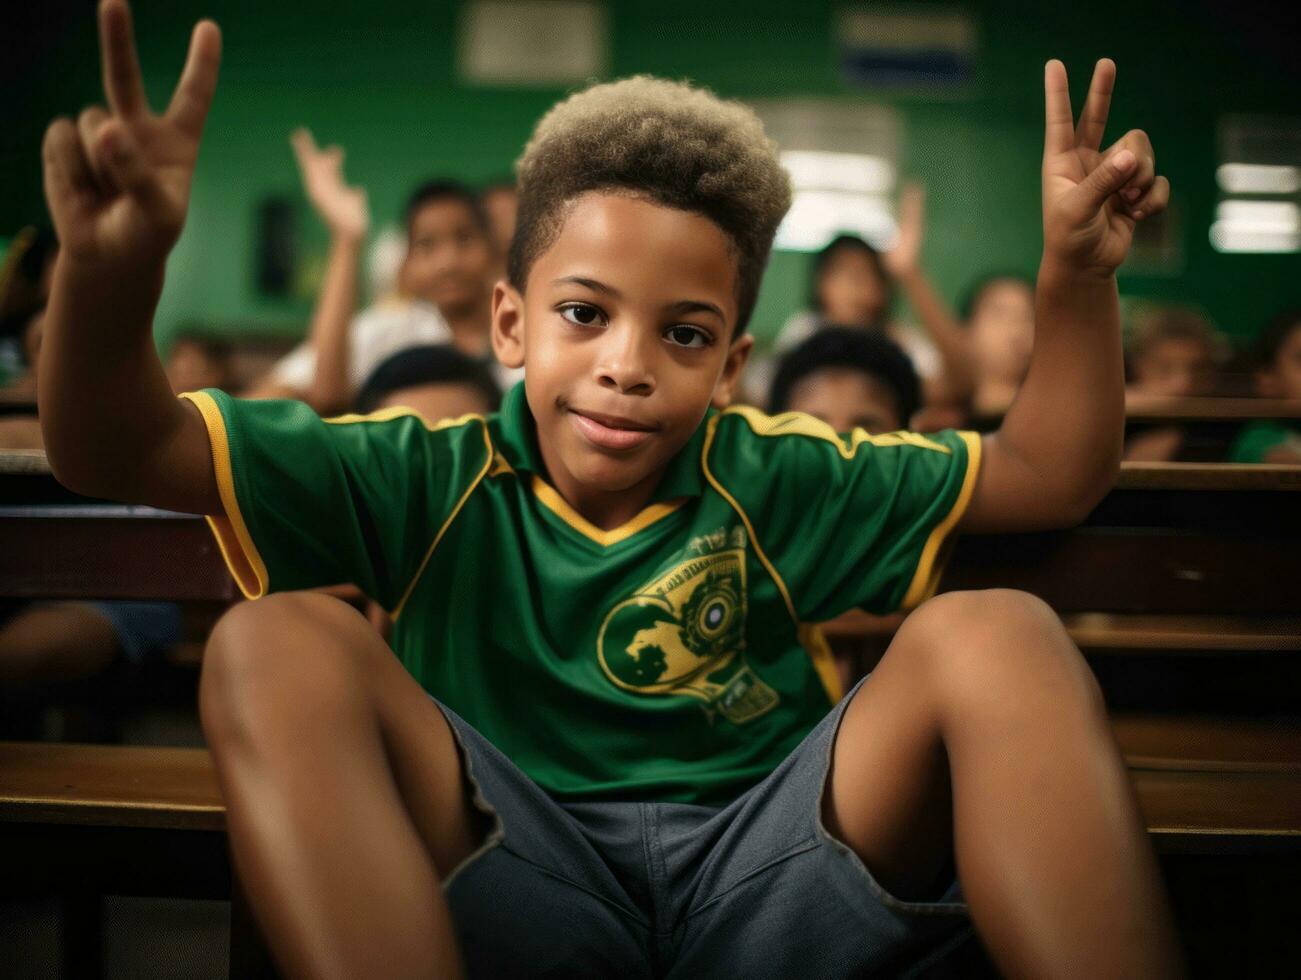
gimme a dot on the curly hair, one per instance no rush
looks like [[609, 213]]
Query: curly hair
[[673, 143]]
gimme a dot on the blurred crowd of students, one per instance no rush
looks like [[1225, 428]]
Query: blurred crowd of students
[[423, 342]]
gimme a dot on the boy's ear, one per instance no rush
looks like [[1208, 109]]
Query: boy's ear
[[508, 324], [737, 355]]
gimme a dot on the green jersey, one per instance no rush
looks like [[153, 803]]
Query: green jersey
[[1261, 438], [670, 659]]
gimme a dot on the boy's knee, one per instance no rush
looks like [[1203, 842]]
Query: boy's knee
[[1002, 645], [279, 657]]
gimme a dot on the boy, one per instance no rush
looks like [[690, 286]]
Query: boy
[[998, 313], [610, 582], [1278, 376], [850, 379]]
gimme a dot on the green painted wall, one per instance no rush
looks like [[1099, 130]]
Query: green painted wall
[[379, 79]]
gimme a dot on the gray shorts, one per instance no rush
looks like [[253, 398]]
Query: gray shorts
[[758, 888]]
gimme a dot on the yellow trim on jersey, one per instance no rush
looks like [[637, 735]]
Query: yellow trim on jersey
[[810, 637], [236, 544], [549, 497], [799, 424], [824, 661], [927, 577], [483, 472], [401, 411]]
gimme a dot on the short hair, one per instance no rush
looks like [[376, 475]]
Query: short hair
[[1156, 325], [867, 351], [444, 189], [670, 142], [976, 291], [427, 364], [1275, 335], [849, 243]]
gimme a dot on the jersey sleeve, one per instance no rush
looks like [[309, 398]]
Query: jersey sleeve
[[309, 502], [844, 520], [1259, 439]]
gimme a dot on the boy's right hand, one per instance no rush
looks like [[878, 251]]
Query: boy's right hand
[[118, 181]]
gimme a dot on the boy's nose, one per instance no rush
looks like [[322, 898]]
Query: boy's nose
[[624, 363]]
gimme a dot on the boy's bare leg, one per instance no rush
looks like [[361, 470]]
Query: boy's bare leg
[[983, 728], [343, 789]]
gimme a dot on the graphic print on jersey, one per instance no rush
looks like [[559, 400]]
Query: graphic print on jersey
[[683, 633]]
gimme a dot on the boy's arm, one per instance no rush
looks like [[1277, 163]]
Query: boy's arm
[[903, 261], [1059, 447], [118, 184]]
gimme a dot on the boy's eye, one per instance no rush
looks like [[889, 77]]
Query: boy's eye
[[685, 336], [581, 314]]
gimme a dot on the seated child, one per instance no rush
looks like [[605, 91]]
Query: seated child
[[438, 381], [1278, 376], [998, 312], [1173, 353], [853, 284], [609, 744], [445, 284], [850, 379]]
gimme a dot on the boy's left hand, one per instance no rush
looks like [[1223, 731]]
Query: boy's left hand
[[1092, 198]]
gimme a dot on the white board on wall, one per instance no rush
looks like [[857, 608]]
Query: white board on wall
[[532, 42]]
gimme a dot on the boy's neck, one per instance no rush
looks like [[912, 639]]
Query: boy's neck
[[606, 509]]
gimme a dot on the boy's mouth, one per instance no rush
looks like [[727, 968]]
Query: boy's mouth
[[610, 431]]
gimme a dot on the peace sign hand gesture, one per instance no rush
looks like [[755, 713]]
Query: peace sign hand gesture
[[1092, 198], [118, 180]]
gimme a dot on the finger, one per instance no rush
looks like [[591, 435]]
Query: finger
[[1059, 132], [1156, 200], [1105, 179], [304, 147], [1093, 118], [128, 168], [65, 168], [912, 202], [193, 95], [121, 67], [1136, 142], [88, 124]]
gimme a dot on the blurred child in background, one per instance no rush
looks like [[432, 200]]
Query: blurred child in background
[[850, 379], [852, 284], [999, 315], [1278, 376], [445, 285], [1173, 352]]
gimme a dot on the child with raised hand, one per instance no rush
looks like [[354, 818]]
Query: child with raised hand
[[639, 761]]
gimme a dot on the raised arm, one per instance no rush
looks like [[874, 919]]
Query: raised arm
[[118, 184], [903, 261], [1059, 448], [345, 213]]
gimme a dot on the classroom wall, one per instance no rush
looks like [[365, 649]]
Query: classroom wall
[[379, 79]]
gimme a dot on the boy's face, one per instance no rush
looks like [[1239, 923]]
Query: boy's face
[[846, 398], [850, 290], [436, 402], [1002, 330], [625, 333], [1177, 367], [1283, 378], [450, 261]]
